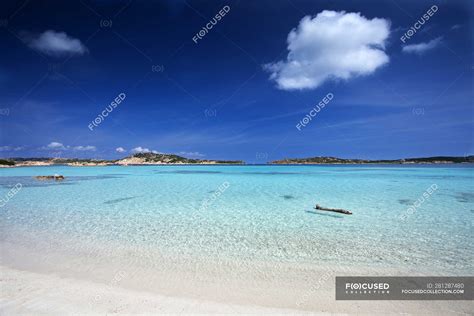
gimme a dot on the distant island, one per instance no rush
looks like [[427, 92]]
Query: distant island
[[334, 160], [171, 159], [136, 159]]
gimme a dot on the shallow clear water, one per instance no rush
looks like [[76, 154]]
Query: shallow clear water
[[255, 212]]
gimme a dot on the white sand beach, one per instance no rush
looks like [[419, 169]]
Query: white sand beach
[[59, 285], [25, 292]]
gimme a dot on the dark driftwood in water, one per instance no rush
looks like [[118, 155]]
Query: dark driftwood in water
[[55, 177], [337, 210]]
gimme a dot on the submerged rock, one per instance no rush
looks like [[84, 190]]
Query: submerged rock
[[406, 201]]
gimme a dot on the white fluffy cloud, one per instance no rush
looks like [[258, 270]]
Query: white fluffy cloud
[[84, 148], [56, 44], [120, 149], [140, 149], [56, 146], [421, 48], [61, 146], [331, 45]]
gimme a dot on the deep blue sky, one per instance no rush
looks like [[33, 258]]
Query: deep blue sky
[[214, 99]]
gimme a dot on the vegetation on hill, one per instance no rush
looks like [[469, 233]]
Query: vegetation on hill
[[6, 162], [171, 158], [163, 158], [139, 158], [334, 160], [442, 158]]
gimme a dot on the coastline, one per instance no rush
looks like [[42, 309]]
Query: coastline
[[151, 159], [121, 165], [234, 164]]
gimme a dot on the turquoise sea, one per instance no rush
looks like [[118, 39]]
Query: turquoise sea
[[254, 212]]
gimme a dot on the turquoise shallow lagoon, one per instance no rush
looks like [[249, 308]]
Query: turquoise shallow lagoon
[[262, 213]]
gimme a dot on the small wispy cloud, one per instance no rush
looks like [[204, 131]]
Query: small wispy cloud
[[120, 150], [422, 48], [61, 146], [56, 44], [11, 148], [84, 148], [192, 154], [455, 26]]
